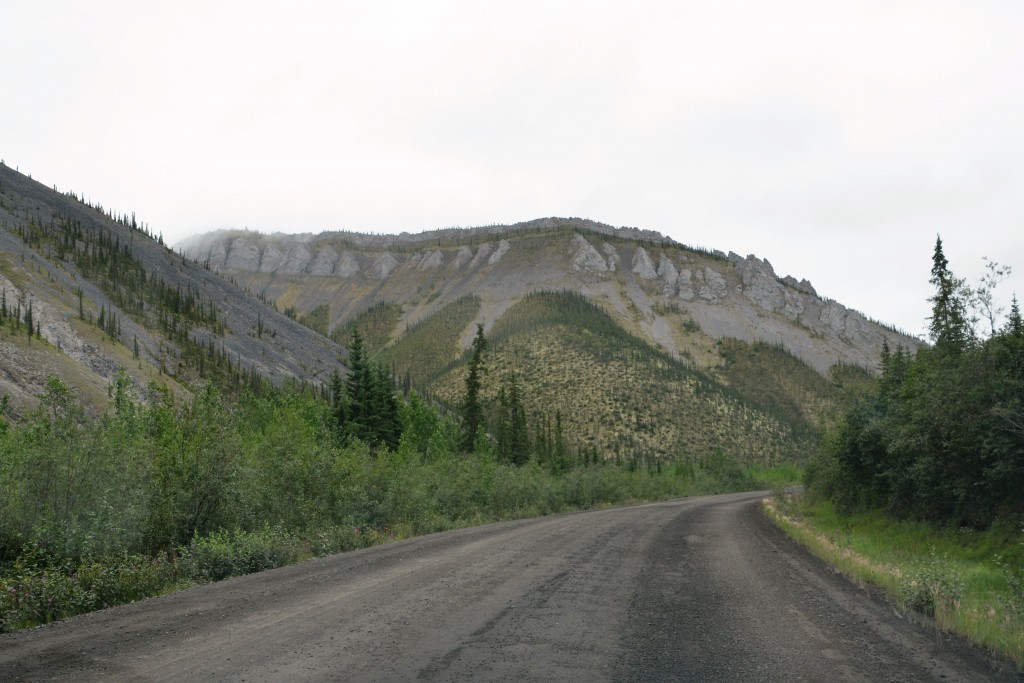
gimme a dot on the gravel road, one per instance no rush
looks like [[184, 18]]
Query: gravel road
[[703, 589]]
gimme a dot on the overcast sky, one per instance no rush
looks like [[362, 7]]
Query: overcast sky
[[835, 139]]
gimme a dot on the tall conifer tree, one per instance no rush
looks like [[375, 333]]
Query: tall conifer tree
[[472, 414], [950, 328]]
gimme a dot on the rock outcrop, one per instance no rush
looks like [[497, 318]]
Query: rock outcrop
[[586, 257]]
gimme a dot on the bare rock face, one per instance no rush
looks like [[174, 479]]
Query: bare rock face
[[243, 255], [669, 275], [324, 262], [794, 306], [296, 261], [612, 254], [462, 256], [271, 260], [714, 286], [481, 254], [503, 247], [586, 257], [727, 295], [841, 320], [431, 260], [347, 266], [760, 284], [643, 265], [801, 286], [686, 283], [217, 254], [383, 266]]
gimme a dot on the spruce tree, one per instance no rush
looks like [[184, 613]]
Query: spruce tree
[[386, 425], [950, 328], [358, 386], [1014, 325], [514, 437], [472, 414], [28, 321], [520, 435]]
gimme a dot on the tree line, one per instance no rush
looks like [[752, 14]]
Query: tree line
[[941, 434]]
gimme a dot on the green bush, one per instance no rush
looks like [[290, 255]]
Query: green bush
[[234, 553], [33, 591]]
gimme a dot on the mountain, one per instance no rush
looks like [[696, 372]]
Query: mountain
[[105, 296], [639, 345], [621, 341]]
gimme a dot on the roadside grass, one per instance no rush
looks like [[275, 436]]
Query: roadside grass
[[969, 582]]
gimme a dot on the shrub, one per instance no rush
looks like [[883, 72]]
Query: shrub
[[233, 553]]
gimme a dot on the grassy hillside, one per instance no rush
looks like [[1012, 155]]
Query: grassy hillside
[[613, 391]]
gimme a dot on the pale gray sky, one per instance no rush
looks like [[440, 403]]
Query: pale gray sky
[[833, 138]]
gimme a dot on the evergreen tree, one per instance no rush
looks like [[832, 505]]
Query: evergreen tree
[[339, 400], [472, 414], [558, 456], [359, 386], [949, 327], [501, 429], [364, 406], [1014, 325], [386, 423], [514, 439], [28, 321]]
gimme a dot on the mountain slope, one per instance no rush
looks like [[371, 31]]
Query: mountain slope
[[105, 295], [643, 347]]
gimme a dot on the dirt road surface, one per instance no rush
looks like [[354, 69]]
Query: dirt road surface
[[703, 589]]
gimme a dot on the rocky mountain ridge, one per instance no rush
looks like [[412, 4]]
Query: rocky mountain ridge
[[655, 287]]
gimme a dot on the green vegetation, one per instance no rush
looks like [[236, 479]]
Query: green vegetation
[[318, 319], [366, 407], [917, 487], [472, 414], [375, 324], [610, 394], [18, 317], [941, 436], [777, 382], [968, 581], [431, 346], [155, 495]]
